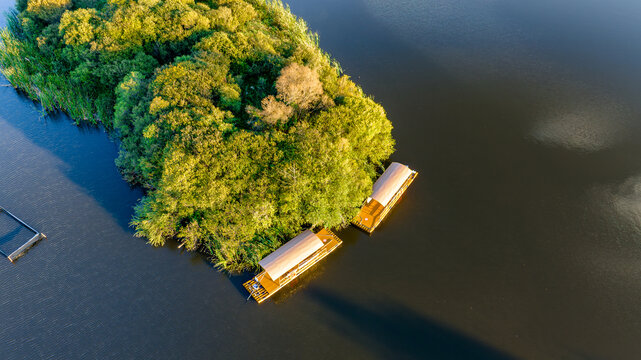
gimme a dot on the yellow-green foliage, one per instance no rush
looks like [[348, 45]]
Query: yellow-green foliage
[[243, 131], [48, 10], [79, 27]]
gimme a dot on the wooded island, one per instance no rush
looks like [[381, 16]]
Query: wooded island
[[241, 129]]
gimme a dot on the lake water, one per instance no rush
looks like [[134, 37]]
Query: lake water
[[521, 237]]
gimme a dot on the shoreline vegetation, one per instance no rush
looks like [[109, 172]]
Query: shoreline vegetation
[[240, 128]]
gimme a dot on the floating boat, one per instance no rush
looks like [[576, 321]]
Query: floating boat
[[385, 193], [289, 261]]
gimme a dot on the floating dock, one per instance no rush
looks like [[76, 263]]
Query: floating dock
[[308, 248], [13, 255], [289, 261], [386, 192]]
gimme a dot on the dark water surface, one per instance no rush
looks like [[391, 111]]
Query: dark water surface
[[520, 238]]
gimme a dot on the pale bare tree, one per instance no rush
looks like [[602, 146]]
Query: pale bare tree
[[299, 85], [272, 111]]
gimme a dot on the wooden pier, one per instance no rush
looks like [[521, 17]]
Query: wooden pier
[[24, 247]]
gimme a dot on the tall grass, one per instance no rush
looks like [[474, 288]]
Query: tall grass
[[27, 69], [297, 30]]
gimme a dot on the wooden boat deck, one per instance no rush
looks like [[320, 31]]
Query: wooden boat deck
[[262, 286], [373, 213]]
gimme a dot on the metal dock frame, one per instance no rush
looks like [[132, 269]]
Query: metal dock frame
[[19, 251]]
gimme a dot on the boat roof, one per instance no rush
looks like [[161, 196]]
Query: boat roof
[[291, 254], [390, 182]]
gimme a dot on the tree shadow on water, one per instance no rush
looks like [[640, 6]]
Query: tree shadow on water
[[397, 332]]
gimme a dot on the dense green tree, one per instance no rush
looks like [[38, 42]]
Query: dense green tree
[[79, 26], [240, 128]]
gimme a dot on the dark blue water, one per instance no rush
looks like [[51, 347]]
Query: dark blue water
[[521, 236]]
